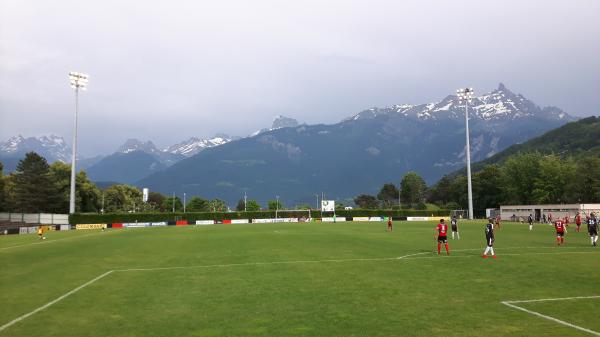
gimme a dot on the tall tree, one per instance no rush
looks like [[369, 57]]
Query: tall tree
[[197, 204], [241, 205], [169, 202], [87, 195], [252, 206], [551, 180], [275, 204], [585, 188], [487, 189], [388, 195], [218, 205], [440, 193], [156, 200], [520, 172], [413, 188], [366, 201], [34, 190], [122, 198]]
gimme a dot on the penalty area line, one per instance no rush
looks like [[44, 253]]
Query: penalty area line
[[550, 318]]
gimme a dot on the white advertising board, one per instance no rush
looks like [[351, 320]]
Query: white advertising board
[[205, 222], [332, 219], [327, 205]]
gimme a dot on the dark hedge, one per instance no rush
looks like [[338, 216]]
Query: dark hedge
[[158, 217]]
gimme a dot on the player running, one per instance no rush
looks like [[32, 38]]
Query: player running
[[578, 222], [560, 231], [40, 232], [454, 226], [530, 221], [442, 229], [592, 223], [390, 225], [489, 239]]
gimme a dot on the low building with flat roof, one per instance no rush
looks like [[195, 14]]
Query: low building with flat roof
[[541, 212]]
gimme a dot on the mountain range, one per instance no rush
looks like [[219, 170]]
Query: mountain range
[[54, 148], [356, 155], [133, 160], [360, 153]]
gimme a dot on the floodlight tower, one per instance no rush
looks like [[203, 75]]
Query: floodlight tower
[[466, 95], [77, 81]]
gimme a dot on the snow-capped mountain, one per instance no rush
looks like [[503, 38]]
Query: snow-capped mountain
[[136, 159], [278, 123], [194, 145], [360, 153], [133, 144], [52, 147], [500, 104]]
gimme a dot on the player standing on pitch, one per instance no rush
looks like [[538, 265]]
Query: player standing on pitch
[[592, 223], [489, 239], [578, 222], [454, 225], [442, 229], [560, 231], [530, 221], [390, 226]]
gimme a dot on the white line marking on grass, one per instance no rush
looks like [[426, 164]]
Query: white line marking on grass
[[55, 240], [20, 318], [413, 256], [512, 305]]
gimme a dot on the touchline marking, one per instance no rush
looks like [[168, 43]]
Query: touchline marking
[[413, 256], [20, 318], [55, 240], [512, 305]]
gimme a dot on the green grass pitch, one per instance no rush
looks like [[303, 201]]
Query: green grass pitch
[[298, 279]]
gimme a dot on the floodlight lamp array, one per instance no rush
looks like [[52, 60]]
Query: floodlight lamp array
[[465, 94], [78, 80]]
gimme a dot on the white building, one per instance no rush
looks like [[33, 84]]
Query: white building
[[521, 212]]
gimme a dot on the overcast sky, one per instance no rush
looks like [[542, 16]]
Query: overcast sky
[[165, 71]]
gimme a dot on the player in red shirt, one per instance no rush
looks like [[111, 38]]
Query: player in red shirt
[[561, 229], [498, 221], [578, 221], [441, 230], [390, 228]]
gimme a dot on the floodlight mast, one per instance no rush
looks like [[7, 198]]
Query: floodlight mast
[[466, 95], [77, 81]]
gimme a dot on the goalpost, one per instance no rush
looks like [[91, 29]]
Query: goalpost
[[459, 213], [284, 214]]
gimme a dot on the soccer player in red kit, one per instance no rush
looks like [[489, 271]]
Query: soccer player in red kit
[[442, 229], [390, 228], [560, 231], [578, 222]]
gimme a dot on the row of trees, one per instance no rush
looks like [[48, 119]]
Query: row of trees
[[412, 194], [530, 178], [37, 186]]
